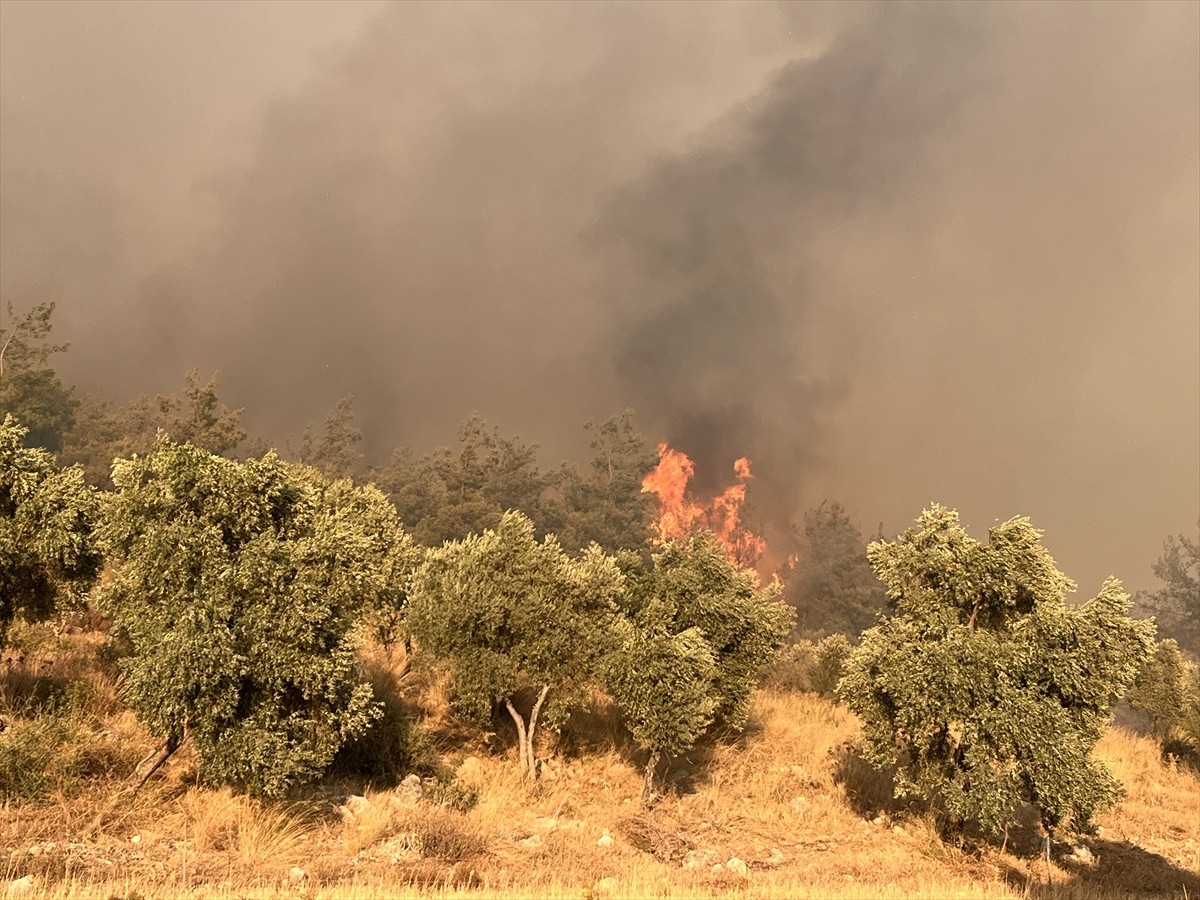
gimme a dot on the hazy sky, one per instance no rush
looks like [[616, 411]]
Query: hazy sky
[[895, 253]]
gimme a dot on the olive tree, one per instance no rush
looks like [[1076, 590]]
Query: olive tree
[[700, 629], [514, 618], [664, 685], [981, 685], [47, 516], [240, 586]]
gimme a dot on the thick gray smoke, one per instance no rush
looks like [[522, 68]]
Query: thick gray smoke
[[892, 252], [713, 341]]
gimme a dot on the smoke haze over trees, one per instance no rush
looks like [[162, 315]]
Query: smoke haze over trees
[[890, 252]]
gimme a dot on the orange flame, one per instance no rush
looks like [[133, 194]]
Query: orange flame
[[680, 517]]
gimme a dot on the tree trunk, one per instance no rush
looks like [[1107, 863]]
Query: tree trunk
[[974, 613], [533, 721], [522, 738], [170, 745], [648, 786]]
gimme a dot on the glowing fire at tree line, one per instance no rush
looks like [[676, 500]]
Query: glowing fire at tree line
[[680, 517]]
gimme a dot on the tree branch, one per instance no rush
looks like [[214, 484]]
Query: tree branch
[[533, 719], [521, 736]]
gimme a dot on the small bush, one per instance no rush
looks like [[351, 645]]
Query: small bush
[[808, 667], [792, 671], [829, 664], [55, 753], [445, 790], [1159, 689]]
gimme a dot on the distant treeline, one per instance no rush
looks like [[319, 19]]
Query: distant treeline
[[445, 494]]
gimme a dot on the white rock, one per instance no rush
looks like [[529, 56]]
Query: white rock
[[604, 887], [20, 887], [1083, 855], [356, 805], [606, 839], [410, 788], [718, 869], [735, 866], [697, 859], [136, 839], [297, 875]]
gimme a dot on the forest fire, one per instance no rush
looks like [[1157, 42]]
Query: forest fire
[[679, 516]]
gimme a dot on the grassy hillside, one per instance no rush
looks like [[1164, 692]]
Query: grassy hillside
[[786, 809]]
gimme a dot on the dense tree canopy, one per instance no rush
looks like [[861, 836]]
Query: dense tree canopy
[[982, 686], [335, 450], [607, 506], [240, 586], [30, 389], [449, 494], [1176, 605], [47, 515], [513, 616], [833, 586], [693, 584], [103, 431]]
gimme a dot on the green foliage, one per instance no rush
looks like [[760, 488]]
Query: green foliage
[[1176, 605], [833, 586], [336, 452], [1160, 688], [103, 432], [447, 495], [29, 388], [509, 615], [394, 745], [1185, 741], [829, 665], [983, 687], [664, 684], [239, 586], [53, 741], [808, 666], [55, 753], [607, 507], [47, 555], [791, 670], [1167, 690], [693, 585]]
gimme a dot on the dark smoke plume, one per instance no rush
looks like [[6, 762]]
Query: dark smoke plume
[[711, 350]]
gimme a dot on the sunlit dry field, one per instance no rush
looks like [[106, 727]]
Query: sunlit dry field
[[785, 810]]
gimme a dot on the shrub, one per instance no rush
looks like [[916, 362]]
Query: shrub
[[791, 670], [699, 631], [982, 686], [829, 664], [512, 616], [47, 556], [239, 586], [55, 752], [1160, 691]]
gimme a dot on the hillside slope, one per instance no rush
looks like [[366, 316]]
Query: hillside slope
[[786, 809]]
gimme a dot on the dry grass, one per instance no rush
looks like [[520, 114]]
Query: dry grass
[[789, 799]]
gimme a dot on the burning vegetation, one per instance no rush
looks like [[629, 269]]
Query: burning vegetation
[[680, 516]]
